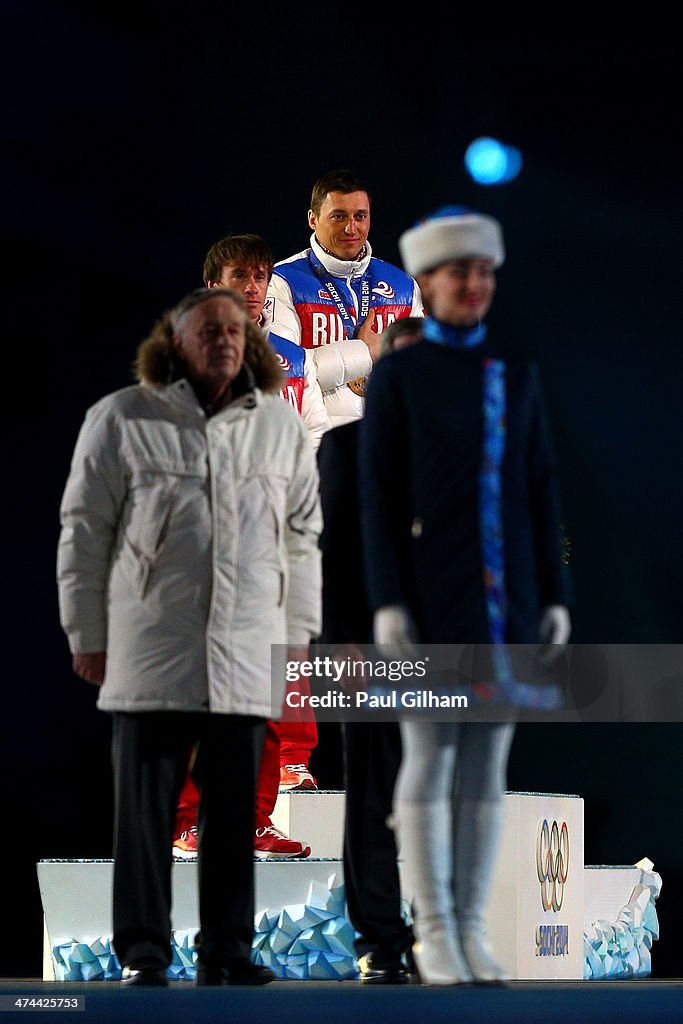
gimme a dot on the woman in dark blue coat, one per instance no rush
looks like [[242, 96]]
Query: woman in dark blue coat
[[462, 545]]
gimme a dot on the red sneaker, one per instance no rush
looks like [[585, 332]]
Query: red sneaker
[[296, 777], [185, 845], [272, 844]]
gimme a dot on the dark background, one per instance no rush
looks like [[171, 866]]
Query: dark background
[[136, 138]]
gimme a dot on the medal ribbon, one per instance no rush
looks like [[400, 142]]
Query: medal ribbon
[[350, 328]]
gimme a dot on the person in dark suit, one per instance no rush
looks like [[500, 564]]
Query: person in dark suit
[[372, 751]]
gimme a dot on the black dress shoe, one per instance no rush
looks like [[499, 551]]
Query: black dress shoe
[[378, 969], [238, 971], [154, 977]]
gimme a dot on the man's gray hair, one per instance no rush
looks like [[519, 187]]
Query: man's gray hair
[[199, 295]]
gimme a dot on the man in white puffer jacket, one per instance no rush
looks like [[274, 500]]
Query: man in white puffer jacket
[[189, 546]]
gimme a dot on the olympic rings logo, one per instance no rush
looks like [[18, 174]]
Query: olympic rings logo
[[552, 862]]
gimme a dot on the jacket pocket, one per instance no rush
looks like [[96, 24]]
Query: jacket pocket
[[275, 489], [261, 561], [148, 529]]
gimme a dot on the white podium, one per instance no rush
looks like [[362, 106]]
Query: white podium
[[316, 818], [536, 927], [543, 904]]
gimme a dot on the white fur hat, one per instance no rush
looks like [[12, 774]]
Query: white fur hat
[[451, 233]]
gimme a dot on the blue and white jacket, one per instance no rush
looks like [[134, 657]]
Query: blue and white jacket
[[301, 388], [303, 311]]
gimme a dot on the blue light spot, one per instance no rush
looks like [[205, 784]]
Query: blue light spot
[[490, 162]]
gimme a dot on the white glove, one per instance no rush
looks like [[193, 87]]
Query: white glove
[[394, 631], [554, 630]]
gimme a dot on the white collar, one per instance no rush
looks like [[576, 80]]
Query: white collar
[[341, 268]]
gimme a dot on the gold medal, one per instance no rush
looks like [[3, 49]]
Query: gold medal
[[358, 386]]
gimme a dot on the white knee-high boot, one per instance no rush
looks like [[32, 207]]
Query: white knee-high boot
[[478, 829], [426, 858]]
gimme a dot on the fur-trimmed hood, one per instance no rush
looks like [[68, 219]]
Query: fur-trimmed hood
[[157, 362]]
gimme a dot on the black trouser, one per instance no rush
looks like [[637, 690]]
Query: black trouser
[[372, 757], [150, 755]]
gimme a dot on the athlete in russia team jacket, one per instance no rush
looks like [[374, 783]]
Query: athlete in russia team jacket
[[335, 297]]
